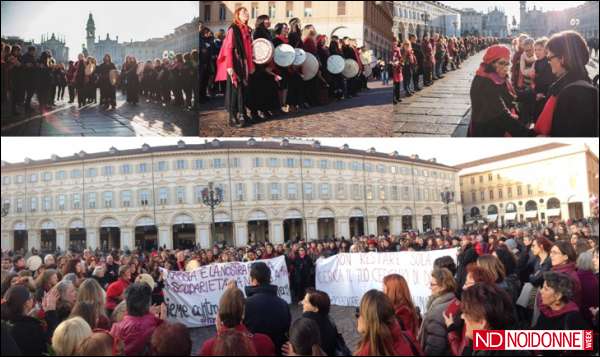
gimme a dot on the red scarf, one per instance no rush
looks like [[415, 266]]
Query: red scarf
[[494, 77], [283, 39]]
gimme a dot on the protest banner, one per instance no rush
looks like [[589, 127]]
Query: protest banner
[[347, 276], [192, 298]]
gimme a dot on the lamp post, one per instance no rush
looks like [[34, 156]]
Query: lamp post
[[5, 209], [212, 197], [447, 197], [425, 17]]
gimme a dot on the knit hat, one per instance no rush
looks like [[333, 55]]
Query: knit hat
[[496, 52]]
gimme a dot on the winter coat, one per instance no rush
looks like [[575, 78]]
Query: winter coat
[[135, 332], [433, 334]]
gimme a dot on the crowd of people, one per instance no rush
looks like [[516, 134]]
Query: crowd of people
[[111, 303], [541, 88], [172, 80], [257, 92], [429, 58]]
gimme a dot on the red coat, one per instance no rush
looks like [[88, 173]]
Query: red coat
[[428, 58], [262, 343], [456, 339], [408, 320], [226, 56], [135, 332], [397, 73], [114, 292], [401, 343]]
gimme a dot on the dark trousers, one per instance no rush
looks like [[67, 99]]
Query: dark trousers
[[397, 91], [71, 94]]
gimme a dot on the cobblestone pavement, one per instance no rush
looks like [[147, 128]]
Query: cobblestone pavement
[[343, 317], [368, 115], [444, 109], [145, 119], [441, 109]]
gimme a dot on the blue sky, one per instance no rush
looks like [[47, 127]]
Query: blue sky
[[130, 20]]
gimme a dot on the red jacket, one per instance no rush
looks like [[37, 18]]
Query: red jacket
[[262, 343], [402, 345], [408, 320], [225, 59], [397, 57], [114, 292], [135, 332], [456, 339]]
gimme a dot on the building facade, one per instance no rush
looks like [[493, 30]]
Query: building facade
[[472, 22], [583, 19], [55, 44], [369, 22], [276, 191], [495, 23], [421, 17], [537, 185], [183, 39]]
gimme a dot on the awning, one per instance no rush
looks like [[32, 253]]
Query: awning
[[222, 218], [553, 212], [76, 224], [293, 214], [510, 216], [184, 219], [530, 214], [492, 217], [326, 213], [258, 216]]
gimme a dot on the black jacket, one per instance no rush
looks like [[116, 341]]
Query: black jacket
[[29, 336], [491, 111], [576, 111], [267, 313], [539, 268], [327, 330], [543, 76]]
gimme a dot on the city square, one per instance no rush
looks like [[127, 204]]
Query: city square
[[148, 79]]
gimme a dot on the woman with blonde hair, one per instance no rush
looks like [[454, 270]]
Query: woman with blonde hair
[[68, 335], [380, 330], [90, 291]]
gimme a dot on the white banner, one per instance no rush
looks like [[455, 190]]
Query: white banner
[[192, 298], [347, 276]]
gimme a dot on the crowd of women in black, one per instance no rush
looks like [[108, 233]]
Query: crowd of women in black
[[541, 88], [166, 81], [513, 278], [429, 58], [268, 90]]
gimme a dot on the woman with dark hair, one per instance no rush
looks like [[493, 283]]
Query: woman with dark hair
[[380, 331], [486, 307], [540, 247], [262, 89], [305, 339], [295, 35], [563, 258], [133, 81], [572, 106], [558, 310], [315, 306], [511, 279], [235, 65], [107, 90], [26, 331], [397, 75], [492, 98], [281, 37]]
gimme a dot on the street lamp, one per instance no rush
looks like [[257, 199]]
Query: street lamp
[[5, 209], [447, 197], [425, 17], [212, 197]]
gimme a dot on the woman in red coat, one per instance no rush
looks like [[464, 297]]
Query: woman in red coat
[[235, 65], [397, 73], [396, 289], [428, 61]]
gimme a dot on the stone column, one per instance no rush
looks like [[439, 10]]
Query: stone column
[[127, 238], [165, 236], [61, 239], [203, 235], [276, 231], [241, 230], [33, 239], [395, 224], [312, 231], [91, 237], [343, 227], [371, 225], [437, 221], [8, 238], [419, 223]]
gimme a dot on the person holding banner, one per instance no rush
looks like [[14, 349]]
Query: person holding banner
[[229, 318], [266, 312], [235, 65]]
